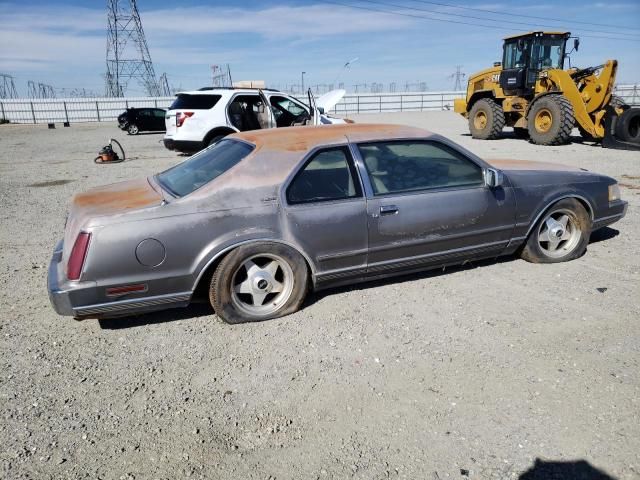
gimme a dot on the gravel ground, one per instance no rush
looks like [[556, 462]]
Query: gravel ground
[[474, 372]]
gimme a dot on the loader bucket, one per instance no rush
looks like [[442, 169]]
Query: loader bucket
[[612, 124]]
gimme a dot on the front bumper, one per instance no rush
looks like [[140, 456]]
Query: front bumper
[[617, 211], [63, 294]]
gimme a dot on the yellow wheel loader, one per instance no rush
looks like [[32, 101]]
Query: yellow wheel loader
[[532, 92]]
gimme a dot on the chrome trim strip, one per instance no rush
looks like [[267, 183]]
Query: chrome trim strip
[[131, 304], [334, 256], [604, 219], [474, 233], [408, 261]]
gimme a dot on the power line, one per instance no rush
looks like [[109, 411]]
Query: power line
[[511, 22], [510, 14], [423, 17]]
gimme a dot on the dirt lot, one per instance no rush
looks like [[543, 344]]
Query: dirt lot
[[475, 372]]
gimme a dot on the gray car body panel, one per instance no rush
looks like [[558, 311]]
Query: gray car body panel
[[170, 244]]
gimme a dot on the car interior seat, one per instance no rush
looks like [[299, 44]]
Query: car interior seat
[[236, 115], [377, 174]]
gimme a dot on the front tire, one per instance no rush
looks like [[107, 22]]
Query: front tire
[[486, 119], [133, 129], [562, 234], [551, 120], [258, 282]]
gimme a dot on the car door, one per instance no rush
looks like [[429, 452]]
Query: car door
[[326, 214], [144, 119], [428, 204], [268, 118], [158, 119]]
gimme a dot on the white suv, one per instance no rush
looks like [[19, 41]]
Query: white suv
[[199, 118]]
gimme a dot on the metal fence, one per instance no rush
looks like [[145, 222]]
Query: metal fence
[[107, 109]]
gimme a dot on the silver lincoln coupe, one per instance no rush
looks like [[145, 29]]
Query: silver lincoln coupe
[[261, 217]]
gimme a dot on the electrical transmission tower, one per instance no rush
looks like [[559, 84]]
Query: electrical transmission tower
[[221, 76], [40, 90], [127, 51], [163, 85], [459, 76], [7, 87]]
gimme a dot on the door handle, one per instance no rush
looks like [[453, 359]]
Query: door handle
[[388, 210]]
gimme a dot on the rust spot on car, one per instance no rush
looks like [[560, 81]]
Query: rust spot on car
[[298, 139], [119, 196]]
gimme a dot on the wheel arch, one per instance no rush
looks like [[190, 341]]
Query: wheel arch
[[547, 206], [480, 94], [217, 131], [206, 272]]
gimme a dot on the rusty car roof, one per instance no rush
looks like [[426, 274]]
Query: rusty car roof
[[296, 139]]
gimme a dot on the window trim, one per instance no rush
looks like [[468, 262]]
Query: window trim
[[308, 158], [438, 143]]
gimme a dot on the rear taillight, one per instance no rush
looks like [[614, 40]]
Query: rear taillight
[[181, 117], [78, 254]]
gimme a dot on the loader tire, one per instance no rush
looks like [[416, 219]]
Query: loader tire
[[551, 120], [486, 119], [628, 126]]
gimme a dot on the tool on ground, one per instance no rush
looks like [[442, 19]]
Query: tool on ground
[[109, 155]]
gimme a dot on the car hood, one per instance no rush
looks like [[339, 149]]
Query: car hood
[[509, 164], [329, 99], [109, 200]]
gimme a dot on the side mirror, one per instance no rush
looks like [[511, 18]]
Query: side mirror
[[320, 110], [493, 178], [576, 44]]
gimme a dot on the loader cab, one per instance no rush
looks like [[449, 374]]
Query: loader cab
[[525, 56]]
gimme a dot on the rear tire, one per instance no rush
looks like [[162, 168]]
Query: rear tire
[[214, 139], [561, 234], [551, 120], [258, 281], [486, 119], [628, 126]]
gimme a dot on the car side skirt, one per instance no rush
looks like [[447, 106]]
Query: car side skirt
[[133, 306]]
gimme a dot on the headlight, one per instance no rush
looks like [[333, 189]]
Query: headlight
[[614, 192]]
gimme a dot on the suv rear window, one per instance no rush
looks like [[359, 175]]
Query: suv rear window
[[195, 102]]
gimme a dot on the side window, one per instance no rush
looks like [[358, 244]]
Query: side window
[[329, 175], [159, 113], [406, 166]]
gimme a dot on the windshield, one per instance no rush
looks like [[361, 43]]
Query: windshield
[[203, 167], [547, 52]]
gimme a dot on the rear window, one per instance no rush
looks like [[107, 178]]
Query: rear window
[[203, 167], [195, 102]]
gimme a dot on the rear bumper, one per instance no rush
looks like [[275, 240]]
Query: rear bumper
[[83, 300], [182, 145], [63, 294], [617, 211]]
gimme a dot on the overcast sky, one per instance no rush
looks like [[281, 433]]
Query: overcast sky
[[63, 42]]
